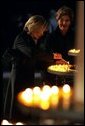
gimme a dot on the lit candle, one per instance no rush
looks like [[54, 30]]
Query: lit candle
[[26, 97], [36, 96], [66, 96], [45, 97], [54, 96]]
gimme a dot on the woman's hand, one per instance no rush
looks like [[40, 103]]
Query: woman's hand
[[62, 61], [59, 59], [57, 56]]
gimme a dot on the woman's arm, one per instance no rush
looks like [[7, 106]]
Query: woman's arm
[[20, 44]]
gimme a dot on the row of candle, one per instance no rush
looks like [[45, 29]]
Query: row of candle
[[46, 97], [6, 122]]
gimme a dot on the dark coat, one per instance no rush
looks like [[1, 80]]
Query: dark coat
[[57, 43], [30, 57]]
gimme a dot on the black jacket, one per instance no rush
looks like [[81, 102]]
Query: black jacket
[[30, 57], [27, 52], [57, 43]]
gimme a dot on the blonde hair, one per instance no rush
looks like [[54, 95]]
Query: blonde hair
[[34, 23]]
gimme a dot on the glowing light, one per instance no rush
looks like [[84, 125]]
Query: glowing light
[[46, 90], [54, 90], [27, 95], [19, 123], [36, 96], [59, 68], [74, 50], [46, 96], [5, 122], [36, 90], [66, 88], [28, 91], [44, 105]]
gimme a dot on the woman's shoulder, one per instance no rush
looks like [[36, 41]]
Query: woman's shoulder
[[72, 31], [21, 35]]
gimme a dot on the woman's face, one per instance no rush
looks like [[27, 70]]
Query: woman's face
[[64, 23], [38, 33]]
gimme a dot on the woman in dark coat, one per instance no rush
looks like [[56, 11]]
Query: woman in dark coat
[[63, 38], [28, 56], [60, 41]]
